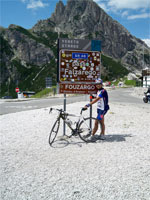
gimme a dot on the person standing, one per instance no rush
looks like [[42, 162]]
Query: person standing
[[102, 108], [148, 91]]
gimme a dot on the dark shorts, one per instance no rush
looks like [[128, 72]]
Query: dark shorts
[[101, 113]]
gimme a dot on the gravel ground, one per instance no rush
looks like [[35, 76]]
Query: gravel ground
[[115, 169], [139, 92]]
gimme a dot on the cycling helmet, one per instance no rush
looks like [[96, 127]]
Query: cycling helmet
[[98, 81]]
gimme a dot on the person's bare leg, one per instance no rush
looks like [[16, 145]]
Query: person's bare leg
[[102, 126], [95, 127]]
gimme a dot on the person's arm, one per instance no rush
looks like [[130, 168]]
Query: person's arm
[[93, 97], [92, 102]]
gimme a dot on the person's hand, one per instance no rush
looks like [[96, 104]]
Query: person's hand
[[87, 105]]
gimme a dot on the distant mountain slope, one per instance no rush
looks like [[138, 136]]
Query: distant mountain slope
[[28, 56], [85, 19]]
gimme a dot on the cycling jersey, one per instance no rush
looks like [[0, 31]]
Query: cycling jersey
[[102, 103]]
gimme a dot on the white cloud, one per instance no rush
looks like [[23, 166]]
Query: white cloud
[[140, 16], [128, 4], [147, 41], [125, 13], [124, 4], [124, 7], [34, 4]]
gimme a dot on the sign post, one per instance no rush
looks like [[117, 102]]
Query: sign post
[[64, 131], [78, 66], [90, 111]]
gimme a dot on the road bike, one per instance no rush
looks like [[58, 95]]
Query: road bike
[[82, 127]]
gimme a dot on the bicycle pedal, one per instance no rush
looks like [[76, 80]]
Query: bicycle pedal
[[74, 134], [88, 135], [64, 137]]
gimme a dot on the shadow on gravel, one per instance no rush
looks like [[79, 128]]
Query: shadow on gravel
[[117, 138], [62, 143]]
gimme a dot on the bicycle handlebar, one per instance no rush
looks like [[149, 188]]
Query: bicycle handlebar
[[62, 111], [82, 109]]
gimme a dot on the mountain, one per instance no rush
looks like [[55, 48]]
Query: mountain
[[28, 56], [85, 19]]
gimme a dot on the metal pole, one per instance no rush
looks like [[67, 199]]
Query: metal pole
[[64, 131], [57, 88], [90, 112]]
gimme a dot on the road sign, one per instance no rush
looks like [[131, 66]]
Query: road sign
[[70, 88], [79, 66], [17, 89], [79, 44], [48, 81]]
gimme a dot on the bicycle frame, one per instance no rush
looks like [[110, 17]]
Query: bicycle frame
[[82, 126], [64, 116]]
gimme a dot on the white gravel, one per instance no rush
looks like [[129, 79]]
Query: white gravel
[[139, 91], [115, 169]]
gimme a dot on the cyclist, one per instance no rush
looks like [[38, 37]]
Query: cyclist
[[102, 108], [148, 90]]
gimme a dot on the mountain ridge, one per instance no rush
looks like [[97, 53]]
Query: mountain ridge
[[29, 55], [103, 28]]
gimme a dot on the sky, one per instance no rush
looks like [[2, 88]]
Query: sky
[[134, 15]]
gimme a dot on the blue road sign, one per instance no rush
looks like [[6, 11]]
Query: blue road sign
[[80, 55], [96, 45]]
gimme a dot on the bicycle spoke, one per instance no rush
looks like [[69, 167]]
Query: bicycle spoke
[[53, 133], [85, 129]]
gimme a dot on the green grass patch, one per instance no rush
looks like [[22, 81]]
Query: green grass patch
[[5, 47], [8, 89], [30, 78], [44, 92], [115, 69], [130, 82], [48, 41]]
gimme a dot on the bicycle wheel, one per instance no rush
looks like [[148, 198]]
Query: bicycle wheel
[[85, 128], [54, 131]]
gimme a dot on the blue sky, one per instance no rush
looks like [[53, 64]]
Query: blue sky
[[134, 15]]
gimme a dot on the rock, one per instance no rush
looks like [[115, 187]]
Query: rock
[[132, 76]]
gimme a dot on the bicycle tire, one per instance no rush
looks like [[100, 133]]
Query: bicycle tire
[[54, 131], [84, 129]]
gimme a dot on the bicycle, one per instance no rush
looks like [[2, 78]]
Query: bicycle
[[83, 126]]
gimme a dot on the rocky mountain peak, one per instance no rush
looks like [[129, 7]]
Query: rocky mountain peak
[[86, 20], [29, 56], [74, 8], [59, 12]]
